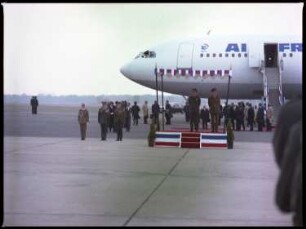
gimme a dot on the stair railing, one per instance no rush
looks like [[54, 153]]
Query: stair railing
[[280, 87], [265, 83]]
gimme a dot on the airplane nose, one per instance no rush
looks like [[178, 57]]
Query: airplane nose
[[125, 70]]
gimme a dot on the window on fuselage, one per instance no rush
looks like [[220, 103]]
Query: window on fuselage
[[146, 54]]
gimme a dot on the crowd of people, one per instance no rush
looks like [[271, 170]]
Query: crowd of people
[[241, 115], [114, 117]]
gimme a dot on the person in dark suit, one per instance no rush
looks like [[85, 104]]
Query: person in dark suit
[[155, 112], [287, 145], [260, 117], [205, 117], [168, 113], [251, 115], [111, 109], [135, 113], [34, 104], [194, 102]]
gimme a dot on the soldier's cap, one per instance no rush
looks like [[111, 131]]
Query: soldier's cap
[[213, 89], [194, 89]]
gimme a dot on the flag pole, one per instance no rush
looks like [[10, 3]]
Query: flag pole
[[156, 83], [227, 95], [163, 108]]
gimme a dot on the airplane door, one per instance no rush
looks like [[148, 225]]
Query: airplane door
[[271, 55], [184, 57]]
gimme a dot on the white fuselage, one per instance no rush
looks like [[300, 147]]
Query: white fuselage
[[205, 63]]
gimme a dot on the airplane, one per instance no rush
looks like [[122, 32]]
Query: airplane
[[257, 65]]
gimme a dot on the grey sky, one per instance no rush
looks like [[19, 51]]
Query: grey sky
[[64, 49]]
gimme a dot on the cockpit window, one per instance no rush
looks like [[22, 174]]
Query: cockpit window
[[146, 54]]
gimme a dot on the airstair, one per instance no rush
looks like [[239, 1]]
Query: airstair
[[273, 92]]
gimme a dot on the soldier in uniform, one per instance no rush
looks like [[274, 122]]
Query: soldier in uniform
[[194, 102], [119, 120], [214, 106], [128, 117], [102, 119], [34, 104], [83, 118]]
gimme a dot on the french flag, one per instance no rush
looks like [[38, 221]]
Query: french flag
[[168, 139], [213, 140], [197, 73], [204, 74], [169, 72], [189, 72], [161, 71]]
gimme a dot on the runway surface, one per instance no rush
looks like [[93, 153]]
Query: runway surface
[[61, 121], [68, 182], [52, 178]]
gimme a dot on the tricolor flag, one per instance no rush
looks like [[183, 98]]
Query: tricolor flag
[[214, 140], [197, 73], [189, 72], [175, 72], [169, 72], [168, 139], [161, 71], [204, 74]]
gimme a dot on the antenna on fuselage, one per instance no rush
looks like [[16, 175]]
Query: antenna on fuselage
[[208, 32]]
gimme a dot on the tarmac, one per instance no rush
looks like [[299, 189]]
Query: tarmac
[[63, 181]]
